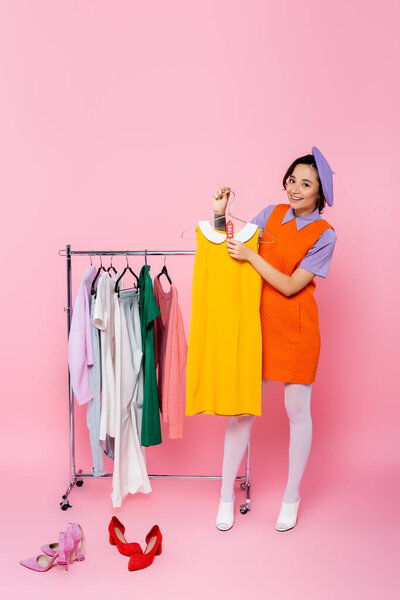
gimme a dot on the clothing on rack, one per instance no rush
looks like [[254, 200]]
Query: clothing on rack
[[171, 355], [93, 412], [109, 447], [148, 310], [84, 364], [138, 405], [130, 474], [104, 320], [223, 374], [107, 358], [80, 354]]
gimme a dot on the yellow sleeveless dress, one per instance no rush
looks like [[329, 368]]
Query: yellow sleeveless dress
[[224, 361]]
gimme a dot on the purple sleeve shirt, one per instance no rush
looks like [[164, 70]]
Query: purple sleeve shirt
[[262, 217], [318, 258]]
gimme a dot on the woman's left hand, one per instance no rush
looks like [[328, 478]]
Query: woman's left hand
[[238, 250]]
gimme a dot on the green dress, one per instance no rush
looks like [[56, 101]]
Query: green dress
[[149, 311]]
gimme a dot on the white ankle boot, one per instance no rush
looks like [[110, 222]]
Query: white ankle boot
[[287, 518], [225, 515]]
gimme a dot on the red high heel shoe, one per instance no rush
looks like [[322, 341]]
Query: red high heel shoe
[[153, 541], [117, 538]]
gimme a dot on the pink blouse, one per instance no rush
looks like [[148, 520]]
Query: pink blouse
[[170, 352]]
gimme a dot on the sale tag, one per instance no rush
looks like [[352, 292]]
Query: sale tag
[[229, 230]]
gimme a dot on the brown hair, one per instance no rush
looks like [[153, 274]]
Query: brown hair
[[308, 159]]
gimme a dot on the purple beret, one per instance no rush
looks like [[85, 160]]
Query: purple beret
[[325, 174]]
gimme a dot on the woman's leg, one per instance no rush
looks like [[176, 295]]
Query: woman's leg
[[297, 404], [237, 436]]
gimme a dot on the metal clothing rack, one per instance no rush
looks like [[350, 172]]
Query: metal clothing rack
[[77, 476]]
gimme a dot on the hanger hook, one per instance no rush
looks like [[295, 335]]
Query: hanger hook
[[165, 259], [111, 261], [101, 262], [145, 257], [127, 263], [231, 202], [91, 263]]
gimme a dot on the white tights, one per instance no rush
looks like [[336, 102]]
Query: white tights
[[297, 404]]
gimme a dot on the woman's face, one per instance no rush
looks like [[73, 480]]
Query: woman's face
[[302, 190]]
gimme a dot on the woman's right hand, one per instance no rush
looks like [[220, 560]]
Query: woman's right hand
[[220, 200]]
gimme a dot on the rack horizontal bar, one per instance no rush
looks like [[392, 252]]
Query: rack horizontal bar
[[63, 252]]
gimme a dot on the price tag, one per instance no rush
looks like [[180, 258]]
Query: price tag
[[229, 230]]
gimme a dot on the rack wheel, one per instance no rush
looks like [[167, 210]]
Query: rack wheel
[[244, 509], [79, 483], [65, 505]]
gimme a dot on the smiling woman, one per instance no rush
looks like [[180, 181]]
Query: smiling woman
[[298, 245]]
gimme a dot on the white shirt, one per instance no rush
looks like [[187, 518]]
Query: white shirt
[[103, 319]]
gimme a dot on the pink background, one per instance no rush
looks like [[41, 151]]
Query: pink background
[[119, 120]]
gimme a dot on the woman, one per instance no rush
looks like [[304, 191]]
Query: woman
[[298, 245]]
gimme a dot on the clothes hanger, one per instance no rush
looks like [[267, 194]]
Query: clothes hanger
[[101, 268], [164, 271], [222, 216], [229, 214], [111, 268], [127, 268]]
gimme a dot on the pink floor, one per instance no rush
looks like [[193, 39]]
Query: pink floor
[[346, 543]]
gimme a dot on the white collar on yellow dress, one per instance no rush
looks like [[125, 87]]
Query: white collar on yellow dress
[[218, 236]]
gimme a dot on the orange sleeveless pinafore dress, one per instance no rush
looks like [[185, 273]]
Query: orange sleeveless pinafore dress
[[290, 328]]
